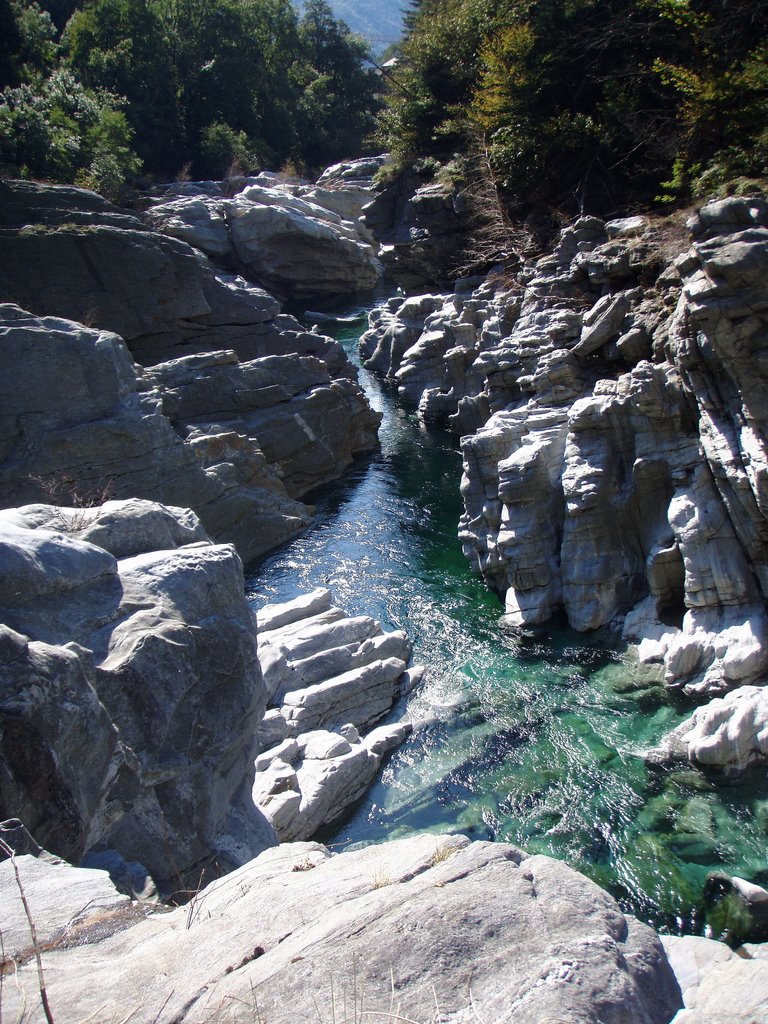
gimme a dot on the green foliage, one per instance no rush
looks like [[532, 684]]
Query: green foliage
[[118, 45], [56, 129], [27, 41], [586, 102], [213, 84], [225, 151], [336, 100]]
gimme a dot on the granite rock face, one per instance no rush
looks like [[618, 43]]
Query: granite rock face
[[132, 691], [729, 734], [80, 424], [298, 241], [329, 677], [615, 437], [421, 227], [238, 442], [67, 253], [296, 933]]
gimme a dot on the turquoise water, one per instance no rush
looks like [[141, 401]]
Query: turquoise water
[[536, 740]]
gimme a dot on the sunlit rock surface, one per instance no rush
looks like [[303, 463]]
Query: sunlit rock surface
[[730, 733], [299, 241], [717, 983], [131, 688], [482, 930], [329, 679]]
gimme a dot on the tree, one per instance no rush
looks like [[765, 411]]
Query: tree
[[59, 130], [338, 94], [119, 46], [584, 102]]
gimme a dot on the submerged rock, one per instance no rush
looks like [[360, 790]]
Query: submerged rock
[[297, 932]]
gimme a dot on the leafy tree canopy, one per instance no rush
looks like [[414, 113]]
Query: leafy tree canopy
[[601, 103], [205, 84]]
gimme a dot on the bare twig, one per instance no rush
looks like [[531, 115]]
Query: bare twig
[[9, 852]]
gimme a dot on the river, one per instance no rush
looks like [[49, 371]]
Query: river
[[536, 740]]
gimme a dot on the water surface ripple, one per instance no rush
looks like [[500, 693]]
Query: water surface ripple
[[536, 740]]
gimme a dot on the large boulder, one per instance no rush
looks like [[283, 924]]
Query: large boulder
[[132, 691], [729, 734], [308, 424], [410, 929], [67, 253], [299, 242], [719, 986]]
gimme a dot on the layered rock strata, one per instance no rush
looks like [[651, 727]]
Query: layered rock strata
[[297, 933], [617, 460], [131, 687], [307, 418], [236, 442], [329, 677], [66, 252]]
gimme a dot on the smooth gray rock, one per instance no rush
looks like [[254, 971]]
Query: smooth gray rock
[[66, 903], [79, 425], [275, 616], [132, 694], [297, 248], [306, 425], [692, 957], [729, 733], [236, 442], [734, 991], [299, 241], [297, 932], [333, 676]]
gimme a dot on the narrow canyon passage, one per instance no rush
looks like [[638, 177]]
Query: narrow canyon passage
[[535, 739]]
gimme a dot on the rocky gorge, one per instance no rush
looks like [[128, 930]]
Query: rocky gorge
[[612, 468], [614, 446]]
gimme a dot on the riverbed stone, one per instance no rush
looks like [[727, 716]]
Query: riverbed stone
[[729, 733]]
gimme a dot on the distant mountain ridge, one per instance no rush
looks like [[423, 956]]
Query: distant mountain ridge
[[380, 21]]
